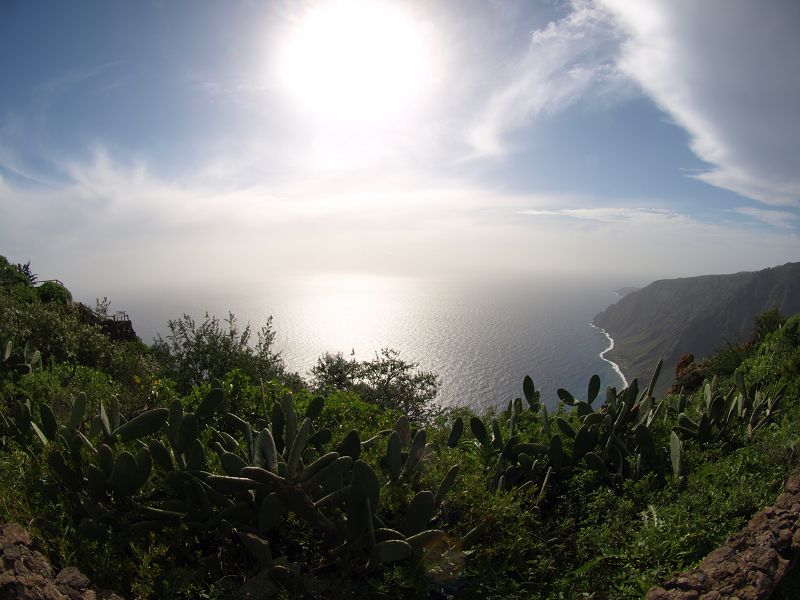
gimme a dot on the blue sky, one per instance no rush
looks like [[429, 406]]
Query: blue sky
[[152, 143]]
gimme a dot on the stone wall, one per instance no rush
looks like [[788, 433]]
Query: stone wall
[[752, 562], [25, 574]]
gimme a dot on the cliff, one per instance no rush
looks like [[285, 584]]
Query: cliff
[[672, 317]]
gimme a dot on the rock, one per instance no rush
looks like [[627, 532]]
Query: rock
[[752, 562], [25, 574], [689, 375]]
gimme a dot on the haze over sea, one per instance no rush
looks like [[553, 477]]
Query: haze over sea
[[480, 337]]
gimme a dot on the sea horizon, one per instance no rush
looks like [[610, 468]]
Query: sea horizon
[[480, 337]]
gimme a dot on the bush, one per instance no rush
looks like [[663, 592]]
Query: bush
[[335, 372], [765, 323], [50, 291], [54, 329], [193, 353], [388, 381], [57, 386]]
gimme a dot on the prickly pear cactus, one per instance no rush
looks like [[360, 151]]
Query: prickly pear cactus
[[169, 468]]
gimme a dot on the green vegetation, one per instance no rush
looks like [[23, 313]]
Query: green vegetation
[[198, 465], [195, 354], [387, 381]]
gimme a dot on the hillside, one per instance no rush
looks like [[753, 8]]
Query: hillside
[[672, 317], [199, 467]]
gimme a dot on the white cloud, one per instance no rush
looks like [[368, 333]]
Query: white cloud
[[115, 229], [615, 215], [563, 62], [777, 218], [724, 71], [652, 243]]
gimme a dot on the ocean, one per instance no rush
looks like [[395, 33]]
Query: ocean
[[481, 337]]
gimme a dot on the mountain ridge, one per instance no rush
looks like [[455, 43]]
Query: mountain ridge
[[672, 317]]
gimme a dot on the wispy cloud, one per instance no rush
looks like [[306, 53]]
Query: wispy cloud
[[721, 69], [13, 128], [738, 107], [73, 77], [258, 190], [615, 215], [109, 216], [777, 218], [563, 62]]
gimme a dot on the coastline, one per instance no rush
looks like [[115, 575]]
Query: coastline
[[614, 365]]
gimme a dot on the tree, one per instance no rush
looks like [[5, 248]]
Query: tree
[[333, 371], [194, 353], [765, 323], [11, 274], [387, 381]]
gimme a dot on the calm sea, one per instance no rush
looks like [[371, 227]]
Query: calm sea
[[482, 338]]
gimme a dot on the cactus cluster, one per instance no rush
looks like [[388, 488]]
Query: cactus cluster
[[18, 424], [721, 415], [220, 475], [21, 361], [615, 440]]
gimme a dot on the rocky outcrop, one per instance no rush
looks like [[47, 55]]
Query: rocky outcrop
[[118, 328], [119, 331], [752, 562], [25, 574], [689, 375]]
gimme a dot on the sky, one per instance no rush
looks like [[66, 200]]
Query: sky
[[208, 145]]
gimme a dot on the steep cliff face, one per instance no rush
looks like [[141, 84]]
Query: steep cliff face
[[672, 317]]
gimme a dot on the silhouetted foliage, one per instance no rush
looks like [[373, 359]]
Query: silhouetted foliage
[[16, 274], [334, 372], [387, 380], [50, 291], [194, 353], [765, 323]]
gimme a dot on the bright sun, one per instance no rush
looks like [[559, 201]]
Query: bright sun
[[356, 61]]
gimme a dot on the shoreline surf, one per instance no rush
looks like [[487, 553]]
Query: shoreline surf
[[614, 365]]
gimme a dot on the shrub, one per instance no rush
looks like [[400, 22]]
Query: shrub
[[334, 371], [388, 381], [50, 291], [765, 323], [194, 353]]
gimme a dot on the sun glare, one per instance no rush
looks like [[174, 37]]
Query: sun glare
[[356, 62]]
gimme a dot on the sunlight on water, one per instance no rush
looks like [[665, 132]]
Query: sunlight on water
[[349, 309], [481, 337]]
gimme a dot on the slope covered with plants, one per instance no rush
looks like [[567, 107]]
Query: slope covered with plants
[[201, 467]]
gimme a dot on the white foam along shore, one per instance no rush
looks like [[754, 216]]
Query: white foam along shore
[[614, 365]]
